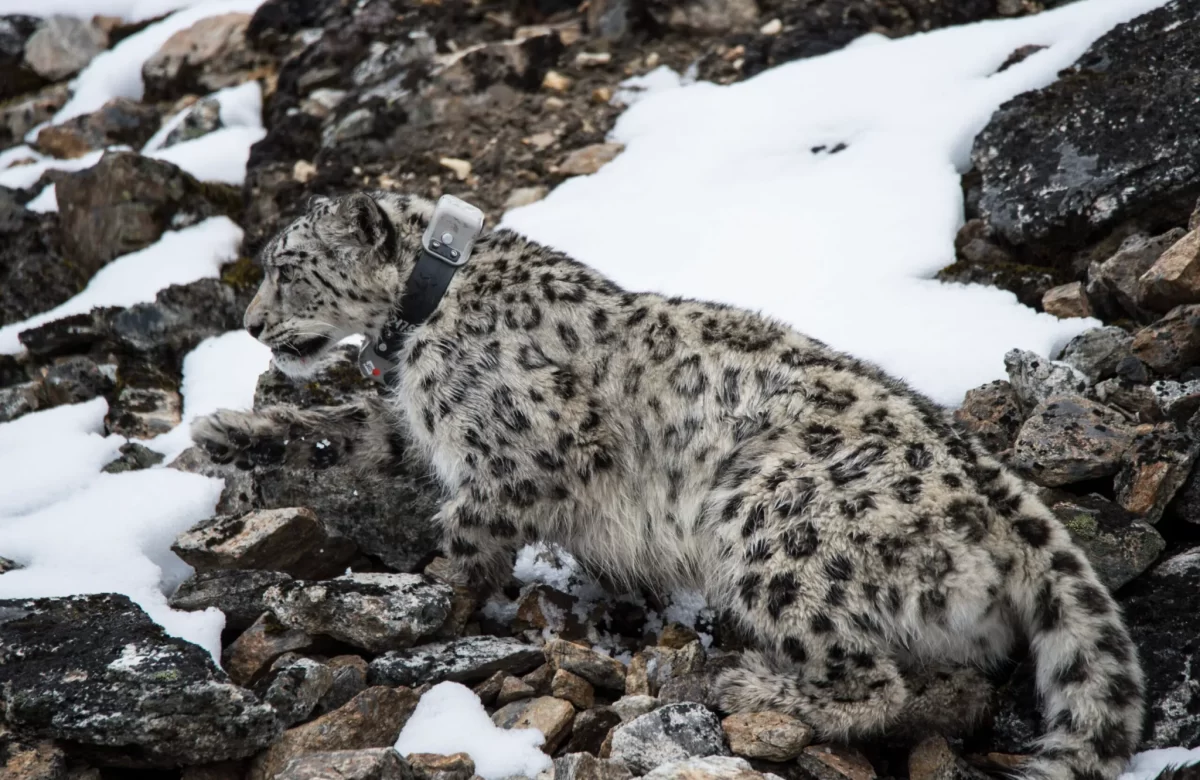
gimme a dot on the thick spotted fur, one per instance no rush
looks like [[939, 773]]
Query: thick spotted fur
[[855, 534]]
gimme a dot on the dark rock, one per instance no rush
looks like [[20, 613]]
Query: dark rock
[[1172, 344], [1177, 401], [1113, 285], [373, 764], [598, 669], [1098, 352], [349, 679], [144, 412], [19, 400], [465, 660], [16, 77], [179, 318], [983, 262], [68, 335], [125, 202], [1071, 439], [1154, 468], [1137, 401], [991, 412], [200, 119], [20, 115], [119, 121], [292, 541], [134, 457], [1035, 379], [209, 55], [6, 565], [1132, 370], [77, 379], [1086, 153], [239, 594], [590, 729], [1160, 610], [137, 697], [294, 687], [670, 733], [375, 612], [1119, 545], [552, 717], [253, 652], [513, 689], [23, 759], [934, 759], [372, 719], [33, 276]]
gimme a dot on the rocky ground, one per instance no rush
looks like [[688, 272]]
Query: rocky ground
[[1081, 201]]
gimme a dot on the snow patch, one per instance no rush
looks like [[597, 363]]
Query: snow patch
[[451, 719], [1148, 765], [129, 10]]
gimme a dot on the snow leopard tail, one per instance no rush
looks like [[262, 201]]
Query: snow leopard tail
[[1088, 676]]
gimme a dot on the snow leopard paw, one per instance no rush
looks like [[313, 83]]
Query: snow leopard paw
[[245, 439]]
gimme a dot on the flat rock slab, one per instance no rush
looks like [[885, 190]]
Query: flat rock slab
[[96, 671], [239, 594], [1071, 439], [376, 611], [465, 660]]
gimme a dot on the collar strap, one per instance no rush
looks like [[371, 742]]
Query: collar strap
[[445, 247]]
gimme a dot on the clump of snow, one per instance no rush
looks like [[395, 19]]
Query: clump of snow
[[220, 373], [129, 10], [46, 200], [26, 175], [1148, 765], [118, 71], [217, 156], [735, 194], [179, 257], [549, 566], [451, 719]]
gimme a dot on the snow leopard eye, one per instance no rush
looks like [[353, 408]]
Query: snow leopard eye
[[284, 272]]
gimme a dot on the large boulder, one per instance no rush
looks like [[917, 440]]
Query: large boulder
[[62, 46], [95, 671], [209, 55], [1063, 165], [33, 275]]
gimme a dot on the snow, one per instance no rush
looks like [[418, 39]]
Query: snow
[[1148, 765], [218, 156], [179, 257], [129, 10], [451, 719], [720, 195], [26, 175], [46, 200]]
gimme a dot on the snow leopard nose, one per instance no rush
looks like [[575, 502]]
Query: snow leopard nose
[[255, 329]]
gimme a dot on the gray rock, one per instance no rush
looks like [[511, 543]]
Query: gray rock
[[371, 764], [465, 660], [1096, 353], [671, 733], [19, 400], [72, 334], [635, 705], [1137, 401], [97, 672], [1154, 468], [1034, 378], [33, 277], [590, 730], [292, 541], [239, 594], [16, 77], [77, 379], [294, 687], [119, 121], [992, 413], [1113, 282], [62, 46], [177, 320], [584, 766], [376, 612], [1071, 439], [199, 120], [134, 457], [598, 669], [1176, 401], [710, 768], [1118, 544], [1061, 164], [144, 412], [1161, 610], [22, 114], [349, 680], [1172, 344]]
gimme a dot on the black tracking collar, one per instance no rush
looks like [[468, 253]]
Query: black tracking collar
[[445, 248]]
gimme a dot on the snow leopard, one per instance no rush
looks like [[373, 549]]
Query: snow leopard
[[855, 534]]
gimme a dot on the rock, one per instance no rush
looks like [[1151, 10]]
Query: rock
[[19, 400], [292, 541], [349, 679], [463, 660], [294, 688], [1160, 611], [670, 733], [552, 717], [376, 612], [1133, 370], [1067, 300], [239, 594], [933, 759], [772, 736], [22, 759], [372, 719], [1154, 468], [144, 412], [591, 729], [77, 379], [513, 689], [209, 55], [134, 457], [180, 317], [33, 276], [429, 766], [711, 768], [374, 764], [1172, 344], [632, 706], [1176, 401], [600, 670], [258, 646], [489, 689], [572, 688], [67, 335], [22, 114], [7, 565], [1113, 285], [1174, 278], [119, 121], [62, 46], [589, 159], [200, 119], [714, 16], [16, 77], [1096, 353], [539, 679], [1071, 439], [1115, 161], [844, 761], [125, 202], [1119, 545], [523, 196], [1035, 379], [677, 636], [583, 766], [138, 697]]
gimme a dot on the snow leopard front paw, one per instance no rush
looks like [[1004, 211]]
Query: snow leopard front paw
[[245, 439]]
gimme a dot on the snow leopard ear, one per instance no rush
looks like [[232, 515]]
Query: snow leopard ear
[[369, 223]]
